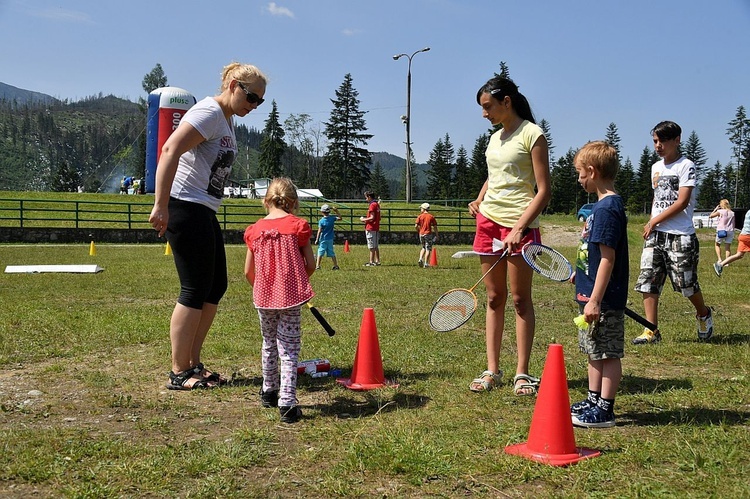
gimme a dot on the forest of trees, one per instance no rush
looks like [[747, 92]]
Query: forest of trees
[[56, 145]]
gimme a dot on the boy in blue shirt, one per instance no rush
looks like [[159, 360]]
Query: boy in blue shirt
[[324, 238], [601, 281]]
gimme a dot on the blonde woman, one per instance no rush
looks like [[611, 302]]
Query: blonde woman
[[724, 228], [195, 162]]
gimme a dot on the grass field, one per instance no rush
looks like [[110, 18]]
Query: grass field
[[83, 361]]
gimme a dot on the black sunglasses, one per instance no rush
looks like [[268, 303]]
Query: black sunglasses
[[252, 97]]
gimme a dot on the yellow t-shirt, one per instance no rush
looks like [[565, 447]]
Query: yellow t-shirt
[[511, 181]]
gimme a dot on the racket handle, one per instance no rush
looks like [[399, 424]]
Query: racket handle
[[641, 320], [321, 320]]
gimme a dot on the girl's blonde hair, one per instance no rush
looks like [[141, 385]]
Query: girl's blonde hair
[[245, 73], [724, 203], [282, 194]]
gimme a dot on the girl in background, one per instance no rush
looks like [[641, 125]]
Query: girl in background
[[278, 266], [724, 228]]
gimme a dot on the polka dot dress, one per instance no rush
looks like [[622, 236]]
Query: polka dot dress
[[280, 277]]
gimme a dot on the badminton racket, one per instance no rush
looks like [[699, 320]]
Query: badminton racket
[[551, 264], [455, 307], [547, 261], [322, 320]]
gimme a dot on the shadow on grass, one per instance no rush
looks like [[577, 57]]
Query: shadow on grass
[[631, 385], [360, 403], [722, 339], [700, 416]]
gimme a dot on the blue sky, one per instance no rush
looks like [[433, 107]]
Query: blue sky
[[582, 64]]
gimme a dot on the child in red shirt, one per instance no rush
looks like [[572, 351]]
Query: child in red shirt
[[278, 266]]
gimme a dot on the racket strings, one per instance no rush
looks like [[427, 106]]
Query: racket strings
[[453, 309], [549, 263]]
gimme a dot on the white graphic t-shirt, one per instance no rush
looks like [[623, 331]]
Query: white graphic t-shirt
[[202, 171], [666, 181]]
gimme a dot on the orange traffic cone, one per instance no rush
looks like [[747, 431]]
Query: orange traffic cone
[[551, 439], [367, 373], [167, 249], [346, 246], [92, 249], [433, 257]]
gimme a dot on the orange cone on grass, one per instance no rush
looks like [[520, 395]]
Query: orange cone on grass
[[346, 246], [551, 439], [367, 373], [92, 249], [433, 257]]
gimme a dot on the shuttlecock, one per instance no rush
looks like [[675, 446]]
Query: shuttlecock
[[580, 322]]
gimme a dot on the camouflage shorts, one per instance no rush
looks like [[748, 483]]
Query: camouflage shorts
[[604, 339], [427, 240], [670, 255]]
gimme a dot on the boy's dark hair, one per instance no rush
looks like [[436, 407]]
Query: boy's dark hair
[[667, 130], [369, 194], [601, 155]]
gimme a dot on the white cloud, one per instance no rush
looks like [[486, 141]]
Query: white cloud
[[63, 15], [351, 32], [277, 10]]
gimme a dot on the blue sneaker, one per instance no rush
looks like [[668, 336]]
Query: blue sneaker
[[594, 418], [580, 407]]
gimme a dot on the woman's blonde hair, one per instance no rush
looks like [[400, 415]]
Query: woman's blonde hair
[[282, 194], [724, 203], [245, 73]]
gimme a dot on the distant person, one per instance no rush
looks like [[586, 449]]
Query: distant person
[[507, 212], [742, 247], [278, 266], [671, 248], [195, 162], [136, 186], [124, 186], [601, 281], [325, 236], [724, 228], [372, 229], [427, 228]]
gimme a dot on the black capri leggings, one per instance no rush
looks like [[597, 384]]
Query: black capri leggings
[[197, 244]]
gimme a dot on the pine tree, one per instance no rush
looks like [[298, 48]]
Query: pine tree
[[272, 146], [642, 193], [347, 159], [378, 182], [710, 187], [155, 79], [440, 175], [477, 166], [624, 181], [612, 137], [567, 194], [461, 176], [544, 125], [693, 150], [739, 136]]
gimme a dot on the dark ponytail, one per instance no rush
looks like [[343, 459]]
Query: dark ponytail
[[499, 87]]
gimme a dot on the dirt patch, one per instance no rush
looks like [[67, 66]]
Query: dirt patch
[[560, 236]]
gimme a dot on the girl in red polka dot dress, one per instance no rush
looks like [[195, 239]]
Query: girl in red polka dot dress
[[278, 266]]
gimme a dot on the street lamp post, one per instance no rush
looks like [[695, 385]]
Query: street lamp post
[[407, 119]]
